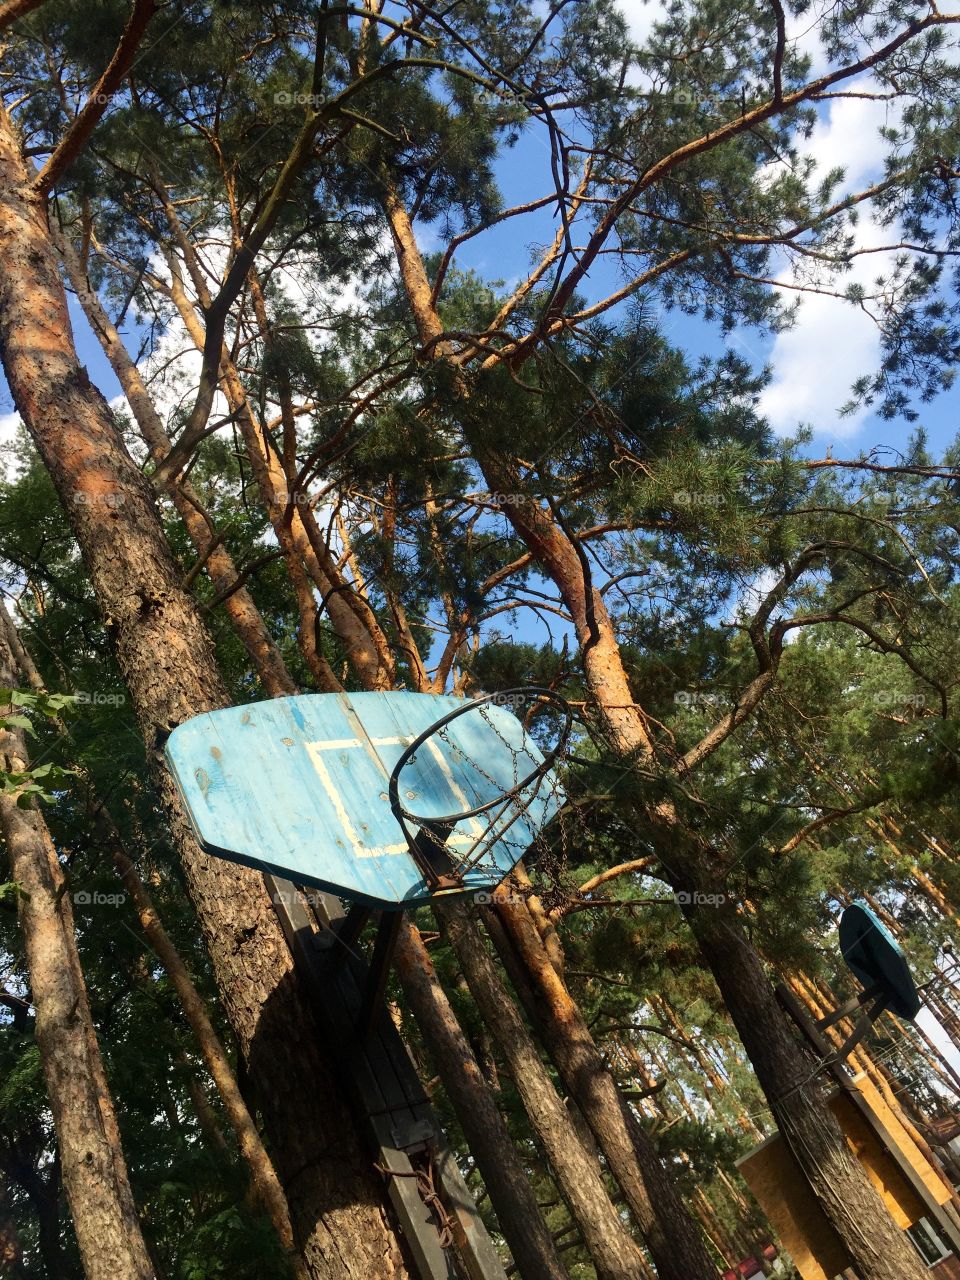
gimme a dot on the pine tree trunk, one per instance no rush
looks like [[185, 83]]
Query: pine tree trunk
[[879, 1249], [687, 1240], [788, 1077], [855, 1209], [614, 1254], [239, 604], [164, 654], [308, 559], [262, 1172], [490, 1143], [93, 1167], [675, 1244]]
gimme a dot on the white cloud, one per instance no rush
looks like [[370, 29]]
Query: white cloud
[[849, 138], [815, 364], [803, 32], [833, 342], [9, 426], [641, 17]]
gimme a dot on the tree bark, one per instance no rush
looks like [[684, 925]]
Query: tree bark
[[631, 1156], [614, 1254], [789, 1078], [94, 1171], [263, 1175], [644, 1200], [880, 1250], [490, 1143], [165, 657], [223, 573]]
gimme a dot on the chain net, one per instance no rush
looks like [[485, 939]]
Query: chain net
[[502, 756]]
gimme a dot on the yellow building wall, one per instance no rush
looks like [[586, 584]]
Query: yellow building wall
[[788, 1202]]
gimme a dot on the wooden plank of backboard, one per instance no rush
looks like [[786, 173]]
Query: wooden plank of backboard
[[401, 1086]]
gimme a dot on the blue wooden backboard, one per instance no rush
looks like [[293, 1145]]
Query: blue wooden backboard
[[298, 786]]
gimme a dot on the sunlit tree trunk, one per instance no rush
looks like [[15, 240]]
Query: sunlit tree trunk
[[879, 1249], [645, 1199], [577, 1174], [678, 1253], [239, 605], [337, 1203], [489, 1141]]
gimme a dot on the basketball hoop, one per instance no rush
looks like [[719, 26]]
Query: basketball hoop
[[449, 845], [372, 797]]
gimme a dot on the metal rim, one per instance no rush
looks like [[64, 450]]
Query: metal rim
[[451, 819]]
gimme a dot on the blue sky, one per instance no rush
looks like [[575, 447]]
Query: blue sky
[[814, 364]]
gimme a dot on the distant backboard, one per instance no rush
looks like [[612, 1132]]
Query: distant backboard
[[298, 787], [874, 957]]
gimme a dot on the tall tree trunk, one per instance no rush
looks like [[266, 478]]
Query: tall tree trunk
[[93, 1167], [613, 1252], [294, 523], [879, 1249], [631, 1156], [336, 1202], [490, 1143], [789, 1078], [645, 1199], [238, 604]]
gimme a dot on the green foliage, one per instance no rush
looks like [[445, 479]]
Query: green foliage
[[722, 556]]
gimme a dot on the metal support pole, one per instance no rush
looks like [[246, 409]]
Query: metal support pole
[[383, 949]]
